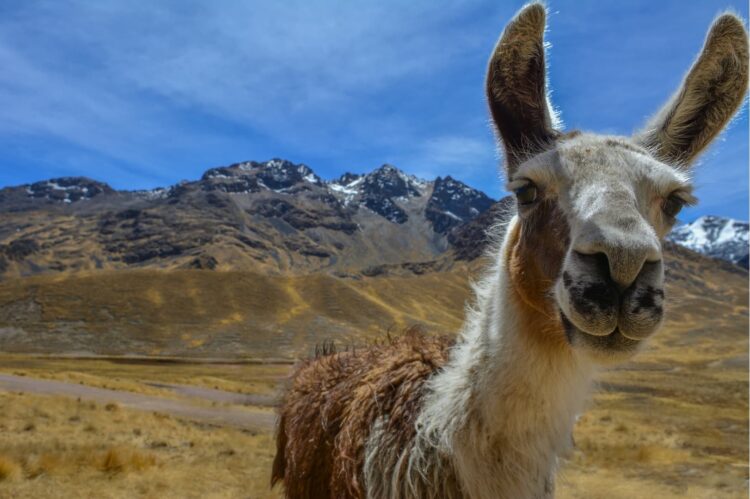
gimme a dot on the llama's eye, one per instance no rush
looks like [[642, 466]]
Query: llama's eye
[[672, 206], [526, 194]]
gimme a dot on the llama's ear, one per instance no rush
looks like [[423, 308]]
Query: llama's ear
[[516, 87], [709, 96]]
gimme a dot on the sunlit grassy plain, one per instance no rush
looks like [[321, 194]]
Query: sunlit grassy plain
[[672, 423], [657, 427], [63, 448]]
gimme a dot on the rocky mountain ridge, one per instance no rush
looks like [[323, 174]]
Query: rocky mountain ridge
[[274, 217]]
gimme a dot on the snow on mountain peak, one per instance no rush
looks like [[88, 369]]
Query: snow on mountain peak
[[276, 175], [718, 237], [67, 189]]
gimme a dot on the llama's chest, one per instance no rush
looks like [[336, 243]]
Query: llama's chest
[[505, 469]]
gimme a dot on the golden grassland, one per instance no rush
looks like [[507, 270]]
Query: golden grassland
[[673, 423], [218, 314], [665, 429], [64, 448]]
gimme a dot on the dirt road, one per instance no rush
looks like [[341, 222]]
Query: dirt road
[[240, 417], [222, 396]]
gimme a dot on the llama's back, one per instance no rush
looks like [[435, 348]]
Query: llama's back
[[333, 403]]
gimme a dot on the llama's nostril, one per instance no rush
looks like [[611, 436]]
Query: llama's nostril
[[619, 264], [596, 262], [602, 263]]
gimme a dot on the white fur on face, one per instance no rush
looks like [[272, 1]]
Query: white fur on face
[[610, 193], [607, 182]]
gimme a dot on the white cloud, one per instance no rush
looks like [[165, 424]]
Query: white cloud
[[111, 76]]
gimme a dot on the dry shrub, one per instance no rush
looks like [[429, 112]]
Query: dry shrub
[[113, 461], [124, 459], [646, 454], [112, 407], [661, 454], [9, 469], [44, 464]]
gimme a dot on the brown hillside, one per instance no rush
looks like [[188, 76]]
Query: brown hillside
[[202, 313], [215, 314]]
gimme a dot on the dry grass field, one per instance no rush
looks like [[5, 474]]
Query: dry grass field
[[218, 314], [673, 423], [670, 424], [63, 448]]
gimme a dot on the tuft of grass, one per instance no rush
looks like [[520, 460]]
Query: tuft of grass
[[43, 464], [9, 469], [123, 459]]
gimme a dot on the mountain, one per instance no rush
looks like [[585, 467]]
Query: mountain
[[64, 190], [265, 259], [191, 313], [380, 191], [717, 237], [453, 203], [270, 217]]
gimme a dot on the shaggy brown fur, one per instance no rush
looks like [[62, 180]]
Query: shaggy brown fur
[[333, 403]]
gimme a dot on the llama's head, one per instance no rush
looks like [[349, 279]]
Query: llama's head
[[594, 209]]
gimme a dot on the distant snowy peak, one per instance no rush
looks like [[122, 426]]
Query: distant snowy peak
[[386, 191], [453, 203], [718, 237], [277, 175], [67, 189], [151, 194], [347, 179], [388, 181], [450, 203], [380, 191], [347, 186]]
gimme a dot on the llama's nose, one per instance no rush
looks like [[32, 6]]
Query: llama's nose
[[625, 255]]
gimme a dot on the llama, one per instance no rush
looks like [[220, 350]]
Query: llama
[[576, 283]]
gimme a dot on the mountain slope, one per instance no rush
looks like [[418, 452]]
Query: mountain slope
[[249, 314], [210, 314], [272, 217], [295, 259], [268, 217]]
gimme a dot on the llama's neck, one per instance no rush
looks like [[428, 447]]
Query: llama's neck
[[505, 405]]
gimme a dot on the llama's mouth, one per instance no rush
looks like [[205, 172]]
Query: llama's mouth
[[613, 343]]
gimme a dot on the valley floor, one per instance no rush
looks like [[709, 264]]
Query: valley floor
[[655, 428]]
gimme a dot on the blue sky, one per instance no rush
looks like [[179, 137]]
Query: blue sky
[[144, 94]]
